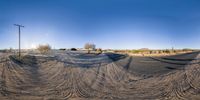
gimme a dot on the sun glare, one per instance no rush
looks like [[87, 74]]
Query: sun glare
[[33, 46]]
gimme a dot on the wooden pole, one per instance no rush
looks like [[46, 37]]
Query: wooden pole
[[19, 26]]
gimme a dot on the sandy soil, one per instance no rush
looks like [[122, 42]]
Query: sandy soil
[[79, 76]]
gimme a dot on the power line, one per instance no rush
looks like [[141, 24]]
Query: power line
[[19, 27]]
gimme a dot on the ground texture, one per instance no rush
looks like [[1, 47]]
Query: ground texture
[[80, 76]]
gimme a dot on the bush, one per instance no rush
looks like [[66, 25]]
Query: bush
[[167, 51], [44, 49], [99, 50], [186, 49], [62, 49], [73, 49], [4, 51]]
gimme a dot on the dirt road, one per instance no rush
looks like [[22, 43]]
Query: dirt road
[[79, 76]]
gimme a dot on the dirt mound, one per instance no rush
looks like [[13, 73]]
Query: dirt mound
[[72, 76]]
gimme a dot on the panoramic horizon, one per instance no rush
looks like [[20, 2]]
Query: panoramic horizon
[[100, 50], [109, 24]]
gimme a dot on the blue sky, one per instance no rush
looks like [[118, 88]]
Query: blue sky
[[117, 24]]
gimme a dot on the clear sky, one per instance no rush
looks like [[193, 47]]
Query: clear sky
[[117, 24]]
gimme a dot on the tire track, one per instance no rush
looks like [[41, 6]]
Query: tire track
[[66, 77]]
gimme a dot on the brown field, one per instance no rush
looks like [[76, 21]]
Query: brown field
[[80, 76]]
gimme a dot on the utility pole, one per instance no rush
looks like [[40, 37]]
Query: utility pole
[[19, 26]]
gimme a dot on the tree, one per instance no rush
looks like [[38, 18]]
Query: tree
[[44, 49], [89, 47]]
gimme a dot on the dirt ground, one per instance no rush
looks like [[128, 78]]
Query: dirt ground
[[79, 76]]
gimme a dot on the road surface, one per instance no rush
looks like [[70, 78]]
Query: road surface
[[75, 75]]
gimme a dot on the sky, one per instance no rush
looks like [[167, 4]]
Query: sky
[[110, 24]]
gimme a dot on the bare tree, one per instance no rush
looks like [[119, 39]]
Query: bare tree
[[89, 47]]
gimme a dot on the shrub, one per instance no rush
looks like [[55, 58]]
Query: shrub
[[62, 49], [167, 51], [73, 49], [99, 50], [186, 49], [44, 49]]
